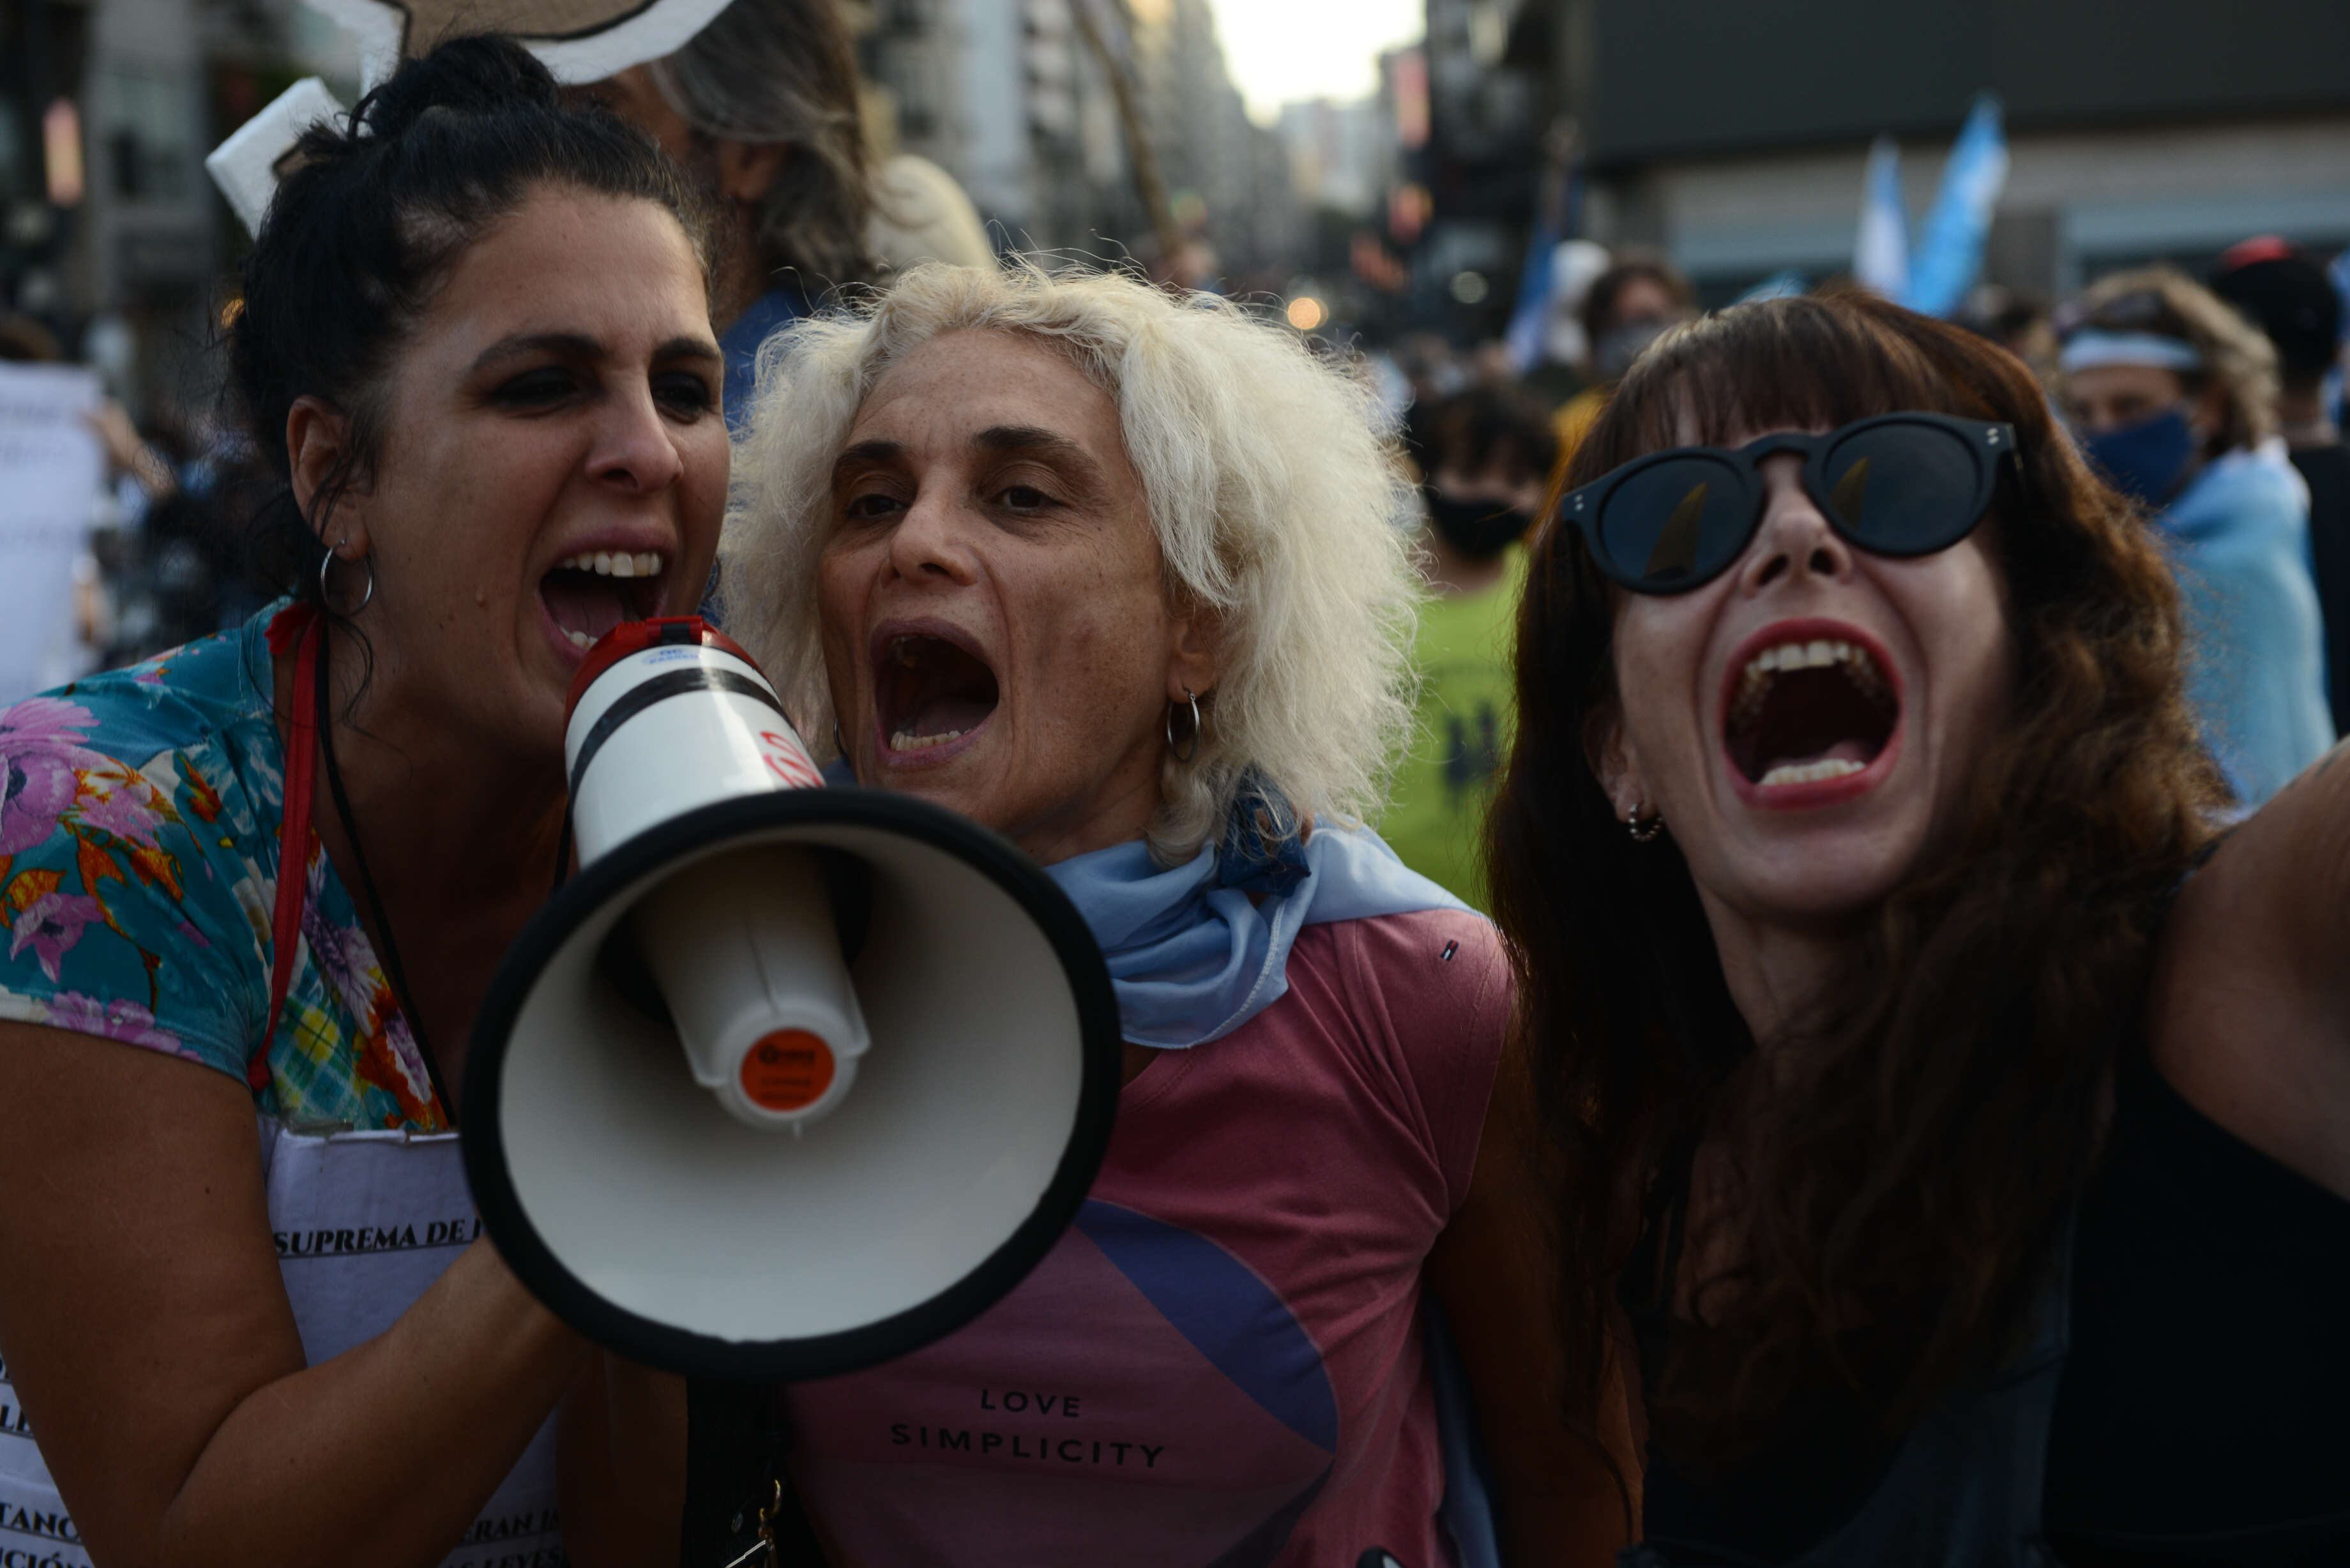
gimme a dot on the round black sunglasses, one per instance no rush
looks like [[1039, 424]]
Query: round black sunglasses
[[1894, 484]]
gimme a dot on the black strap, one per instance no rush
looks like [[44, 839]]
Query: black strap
[[392, 970], [735, 1439], [660, 688], [562, 852]]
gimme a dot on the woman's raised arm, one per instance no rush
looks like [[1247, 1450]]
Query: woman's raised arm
[[148, 1333], [2250, 1012]]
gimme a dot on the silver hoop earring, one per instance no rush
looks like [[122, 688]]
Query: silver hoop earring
[[1177, 753], [1644, 830], [326, 564]]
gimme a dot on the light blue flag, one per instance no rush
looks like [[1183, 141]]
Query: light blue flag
[[1524, 335], [1538, 280], [1950, 244], [1783, 284], [1880, 252]]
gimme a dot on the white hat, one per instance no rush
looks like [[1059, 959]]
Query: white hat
[[577, 40]]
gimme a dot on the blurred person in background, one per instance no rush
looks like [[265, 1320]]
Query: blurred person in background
[[187, 569], [2174, 396], [24, 341], [222, 1016], [1563, 367], [2288, 295], [1429, 365], [144, 481], [1124, 575], [1491, 456], [921, 213], [1431, 373], [760, 109], [1490, 364], [1627, 307], [2018, 321], [132, 458]]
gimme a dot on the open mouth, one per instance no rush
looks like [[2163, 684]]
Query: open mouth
[[588, 594], [1810, 710], [931, 691]]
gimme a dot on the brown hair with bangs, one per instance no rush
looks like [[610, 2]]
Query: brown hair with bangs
[[1893, 1187]]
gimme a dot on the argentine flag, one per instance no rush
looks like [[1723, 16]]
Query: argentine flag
[[1880, 255], [1949, 251], [1951, 245]]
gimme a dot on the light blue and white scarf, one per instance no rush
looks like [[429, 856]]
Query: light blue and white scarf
[[1198, 950]]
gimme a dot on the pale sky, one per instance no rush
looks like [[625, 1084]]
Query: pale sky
[[1281, 50]]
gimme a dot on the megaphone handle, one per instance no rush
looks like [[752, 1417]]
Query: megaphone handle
[[740, 1508], [762, 1553]]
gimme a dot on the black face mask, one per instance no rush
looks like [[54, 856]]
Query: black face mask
[[1479, 529]]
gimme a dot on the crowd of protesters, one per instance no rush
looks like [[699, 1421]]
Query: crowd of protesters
[[1784, 1176], [2214, 404]]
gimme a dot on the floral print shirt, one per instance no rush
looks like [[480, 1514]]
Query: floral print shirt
[[139, 862]]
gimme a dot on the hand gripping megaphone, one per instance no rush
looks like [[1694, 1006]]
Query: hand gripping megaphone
[[787, 1080]]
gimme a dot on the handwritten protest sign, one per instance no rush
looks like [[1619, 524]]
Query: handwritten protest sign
[[50, 468]]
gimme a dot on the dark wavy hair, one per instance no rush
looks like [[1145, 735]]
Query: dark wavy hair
[[376, 210], [1893, 1185]]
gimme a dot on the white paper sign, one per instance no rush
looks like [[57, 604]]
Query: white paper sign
[[244, 167], [51, 465]]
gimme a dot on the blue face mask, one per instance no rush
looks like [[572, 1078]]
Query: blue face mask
[[2145, 461]]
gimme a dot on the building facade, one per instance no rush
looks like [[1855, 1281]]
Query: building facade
[[1012, 97], [1732, 137]]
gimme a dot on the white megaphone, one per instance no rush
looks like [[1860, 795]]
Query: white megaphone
[[787, 1080]]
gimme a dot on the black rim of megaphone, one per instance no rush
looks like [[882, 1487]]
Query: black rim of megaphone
[[671, 1349]]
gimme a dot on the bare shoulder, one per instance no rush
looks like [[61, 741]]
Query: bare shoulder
[[2248, 1011]]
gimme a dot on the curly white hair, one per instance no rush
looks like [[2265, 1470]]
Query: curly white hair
[[1270, 480]]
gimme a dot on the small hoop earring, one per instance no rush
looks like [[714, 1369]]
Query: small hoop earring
[[326, 564], [1643, 830], [1176, 752]]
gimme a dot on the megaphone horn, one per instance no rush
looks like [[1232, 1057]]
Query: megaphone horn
[[787, 1080]]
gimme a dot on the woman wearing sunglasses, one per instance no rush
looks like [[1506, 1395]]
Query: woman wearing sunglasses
[[1970, 1165]]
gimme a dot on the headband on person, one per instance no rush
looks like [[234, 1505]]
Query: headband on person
[[2090, 347]]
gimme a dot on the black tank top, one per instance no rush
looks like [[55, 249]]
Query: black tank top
[[2185, 1398]]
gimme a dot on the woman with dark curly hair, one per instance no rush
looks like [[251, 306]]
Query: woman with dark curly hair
[[254, 888], [1971, 1166]]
